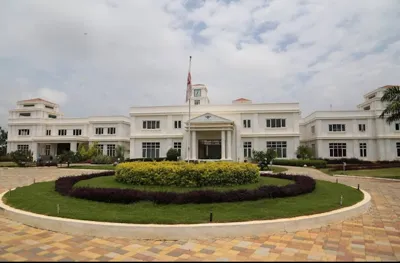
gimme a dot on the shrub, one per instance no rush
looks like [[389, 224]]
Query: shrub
[[6, 158], [346, 160], [159, 159], [298, 162], [304, 152], [102, 159], [187, 174], [172, 155], [22, 157], [64, 185]]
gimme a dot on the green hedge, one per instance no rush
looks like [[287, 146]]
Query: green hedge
[[187, 174], [300, 162]]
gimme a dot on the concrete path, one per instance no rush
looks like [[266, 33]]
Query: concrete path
[[374, 236]]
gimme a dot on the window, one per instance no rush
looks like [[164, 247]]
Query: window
[[23, 147], [363, 149], [29, 105], [47, 149], [23, 132], [100, 148], [276, 123], [111, 150], [77, 132], [49, 107], [337, 127], [361, 127], [280, 147], [51, 116], [111, 130], [178, 146], [313, 129], [99, 131], [197, 102], [48, 132], [367, 108], [197, 92], [247, 149], [337, 149], [150, 149], [177, 124], [25, 114], [397, 126], [62, 132], [398, 149], [247, 123], [151, 125]]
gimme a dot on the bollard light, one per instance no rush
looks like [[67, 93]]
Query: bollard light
[[341, 200], [358, 187], [211, 216]]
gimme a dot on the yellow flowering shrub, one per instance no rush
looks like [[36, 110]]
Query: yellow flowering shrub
[[187, 174]]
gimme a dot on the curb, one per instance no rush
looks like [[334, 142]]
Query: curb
[[367, 177], [182, 231]]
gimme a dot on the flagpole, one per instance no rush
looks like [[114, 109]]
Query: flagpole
[[190, 95]]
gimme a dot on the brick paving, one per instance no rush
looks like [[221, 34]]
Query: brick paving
[[374, 236]]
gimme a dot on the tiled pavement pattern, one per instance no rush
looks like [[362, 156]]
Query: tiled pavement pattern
[[374, 236]]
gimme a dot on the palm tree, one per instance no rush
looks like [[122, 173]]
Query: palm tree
[[392, 110]]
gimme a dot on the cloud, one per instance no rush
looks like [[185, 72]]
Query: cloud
[[102, 57]]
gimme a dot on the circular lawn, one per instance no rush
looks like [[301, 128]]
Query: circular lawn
[[42, 198]]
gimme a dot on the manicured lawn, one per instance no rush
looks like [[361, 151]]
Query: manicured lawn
[[43, 199], [8, 164], [393, 173], [276, 169], [109, 182]]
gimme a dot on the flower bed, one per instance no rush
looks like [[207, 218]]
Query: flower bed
[[300, 162], [187, 174], [64, 185]]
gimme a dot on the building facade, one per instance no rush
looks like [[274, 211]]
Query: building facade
[[214, 132], [357, 134]]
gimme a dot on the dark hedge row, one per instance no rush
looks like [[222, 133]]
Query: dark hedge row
[[303, 184]]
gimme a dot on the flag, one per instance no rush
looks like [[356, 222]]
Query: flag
[[189, 87]]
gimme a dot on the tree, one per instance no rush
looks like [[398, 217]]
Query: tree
[[172, 154], [263, 158], [3, 142], [22, 157], [120, 152], [304, 152], [391, 96], [67, 157]]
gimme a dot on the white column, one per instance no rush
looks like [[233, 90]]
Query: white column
[[222, 145], [229, 145], [35, 150], [73, 147], [194, 148], [104, 149]]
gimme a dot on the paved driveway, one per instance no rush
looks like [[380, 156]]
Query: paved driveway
[[374, 236]]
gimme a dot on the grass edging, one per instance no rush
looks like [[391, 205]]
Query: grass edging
[[187, 231]]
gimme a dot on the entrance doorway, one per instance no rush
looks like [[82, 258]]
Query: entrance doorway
[[63, 147], [209, 149]]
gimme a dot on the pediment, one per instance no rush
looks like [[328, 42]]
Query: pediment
[[209, 118]]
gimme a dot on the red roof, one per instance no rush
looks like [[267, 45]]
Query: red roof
[[37, 99], [242, 99]]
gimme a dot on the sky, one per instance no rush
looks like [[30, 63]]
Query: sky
[[101, 57]]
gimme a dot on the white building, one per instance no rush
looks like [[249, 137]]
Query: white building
[[353, 134], [228, 132]]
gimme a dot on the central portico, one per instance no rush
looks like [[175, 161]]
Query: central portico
[[210, 137]]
